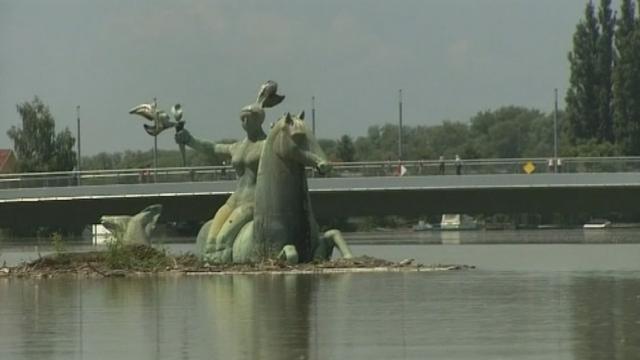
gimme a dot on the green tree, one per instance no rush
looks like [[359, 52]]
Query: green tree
[[102, 161], [345, 150], [592, 148], [540, 136], [626, 80], [381, 143], [36, 144], [64, 158], [605, 58], [507, 132], [416, 145], [329, 148], [451, 138], [583, 94], [365, 149]]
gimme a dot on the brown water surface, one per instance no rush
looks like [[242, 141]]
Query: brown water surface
[[542, 301]]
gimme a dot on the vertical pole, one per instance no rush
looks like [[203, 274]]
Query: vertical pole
[[400, 124], [313, 115], [155, 141], [555, 131], [79, 159]]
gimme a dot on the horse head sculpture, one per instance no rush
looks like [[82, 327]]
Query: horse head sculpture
[[283, 223]]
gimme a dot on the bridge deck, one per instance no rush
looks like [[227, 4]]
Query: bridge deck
[[447, 182], [345, 196]]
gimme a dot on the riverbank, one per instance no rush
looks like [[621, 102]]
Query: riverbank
[[143, 260]]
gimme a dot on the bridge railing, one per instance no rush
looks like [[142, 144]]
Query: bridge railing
[[351, 169], [489, 166], [118, 176]]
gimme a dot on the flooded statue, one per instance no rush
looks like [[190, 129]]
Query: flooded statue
[[269, 214]]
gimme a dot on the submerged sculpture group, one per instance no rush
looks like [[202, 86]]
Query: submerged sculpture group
[[269, 215]]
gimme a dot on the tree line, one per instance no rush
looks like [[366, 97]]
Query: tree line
[[603, 97], [507, 132]]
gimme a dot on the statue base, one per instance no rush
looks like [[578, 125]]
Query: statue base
[[143, 260]]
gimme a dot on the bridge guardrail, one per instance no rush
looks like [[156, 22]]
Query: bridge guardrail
[[351, 169]]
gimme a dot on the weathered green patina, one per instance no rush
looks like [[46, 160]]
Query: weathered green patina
[[134, 229], [283, 223], [269, 215]]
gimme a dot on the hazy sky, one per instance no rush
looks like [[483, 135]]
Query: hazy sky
[[452, 58]]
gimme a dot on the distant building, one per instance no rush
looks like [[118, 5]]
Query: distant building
[[7, 161]]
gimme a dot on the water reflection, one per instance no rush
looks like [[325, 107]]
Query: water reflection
[[607, 317], [451, 237], [259, 317], [35, 319], [246, 317], [462, 315]]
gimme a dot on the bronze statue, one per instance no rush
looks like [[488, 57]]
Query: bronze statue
[[133, 229], [269, 214]]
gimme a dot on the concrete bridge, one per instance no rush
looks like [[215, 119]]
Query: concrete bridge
[[336, 197]]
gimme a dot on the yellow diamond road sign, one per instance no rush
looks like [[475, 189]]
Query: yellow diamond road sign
[[528, 167]]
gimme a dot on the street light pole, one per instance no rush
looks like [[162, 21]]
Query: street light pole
[[313, 115], [79, 159], [555, 130], [400, 124], [155, 141]]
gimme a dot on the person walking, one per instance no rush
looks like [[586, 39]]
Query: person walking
[[441, 166], [458, 163], [559, 165]]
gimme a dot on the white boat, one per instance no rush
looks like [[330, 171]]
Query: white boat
[[457, 222], [548, 226], [422, 226], [597, 224], [99, 234]]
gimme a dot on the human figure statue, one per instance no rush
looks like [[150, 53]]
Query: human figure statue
[[245, 156], [269, 214]]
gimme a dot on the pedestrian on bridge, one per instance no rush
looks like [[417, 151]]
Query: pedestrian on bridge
[[458, 163], [441, 166]]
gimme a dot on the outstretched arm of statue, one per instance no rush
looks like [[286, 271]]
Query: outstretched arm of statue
[[311, 159], [206, 147]]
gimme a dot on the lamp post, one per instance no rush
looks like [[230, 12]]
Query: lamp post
[[400, 124], [155, 141], [313, 115], [555, 130], [79, 158]]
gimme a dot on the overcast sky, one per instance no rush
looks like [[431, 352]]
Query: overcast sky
[[452, 58]]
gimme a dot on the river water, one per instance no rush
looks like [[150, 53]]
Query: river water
[[561, 298]]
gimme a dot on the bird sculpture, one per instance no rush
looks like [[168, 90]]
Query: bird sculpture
[[267, 96], [161, 119], [148, 111]]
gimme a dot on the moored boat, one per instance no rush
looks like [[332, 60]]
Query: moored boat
[[597, 224]]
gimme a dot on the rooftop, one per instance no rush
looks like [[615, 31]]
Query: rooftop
[[5, 154]]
